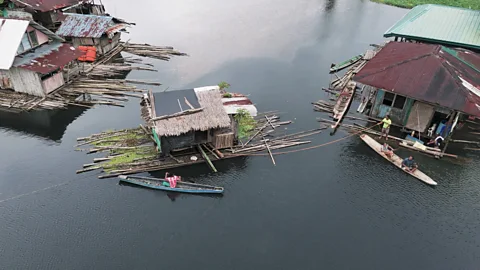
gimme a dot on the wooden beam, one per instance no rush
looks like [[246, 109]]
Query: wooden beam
[[209, 162], [186, 112]]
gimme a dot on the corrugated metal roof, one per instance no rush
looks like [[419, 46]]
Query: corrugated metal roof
[[47, 5], [90, 26], [430, 73], [11, 33], [440, 24], [48, 58], [78, 25]]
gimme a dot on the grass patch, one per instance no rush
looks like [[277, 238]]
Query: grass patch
[[129, 156], [472, 4], [246, 123]]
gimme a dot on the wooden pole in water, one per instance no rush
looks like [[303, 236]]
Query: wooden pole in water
[[268, 149], [451, 122], [206, 158]]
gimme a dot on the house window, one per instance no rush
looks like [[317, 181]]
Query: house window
[[388, 99], [26, 43], [399, 102], [33, 38]]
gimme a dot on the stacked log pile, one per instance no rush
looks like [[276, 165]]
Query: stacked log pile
[[156, 52]]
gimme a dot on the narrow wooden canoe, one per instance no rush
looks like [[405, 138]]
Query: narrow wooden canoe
[[157, 183], [396, 160], [343, 102], [344, 64]]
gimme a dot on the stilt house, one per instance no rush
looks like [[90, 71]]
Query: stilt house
[[103, 32], [186, 118], [31, 57], [422, 86]]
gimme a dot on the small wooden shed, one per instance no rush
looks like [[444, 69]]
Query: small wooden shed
[[186, 118]]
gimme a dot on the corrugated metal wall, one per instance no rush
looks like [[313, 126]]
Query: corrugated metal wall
[[26, 81], [53, 82]]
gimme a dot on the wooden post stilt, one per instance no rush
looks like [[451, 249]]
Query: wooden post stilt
[[209, 162]]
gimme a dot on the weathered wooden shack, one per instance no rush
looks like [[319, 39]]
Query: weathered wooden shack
[[103, 32], [186, 118], [31, 57], [438, 24], [422, 86]]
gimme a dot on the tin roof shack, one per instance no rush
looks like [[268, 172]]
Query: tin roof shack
[[450, 26], [423, 86], [186, 118], [50, 13], [32, 57], [103, 32]]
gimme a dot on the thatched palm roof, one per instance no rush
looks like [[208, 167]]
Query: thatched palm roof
[[212, 116]]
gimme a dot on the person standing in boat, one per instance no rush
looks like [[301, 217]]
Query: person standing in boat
[[386, 127], [409, 164]]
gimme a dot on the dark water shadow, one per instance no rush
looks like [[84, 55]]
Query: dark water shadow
[[46, 124]]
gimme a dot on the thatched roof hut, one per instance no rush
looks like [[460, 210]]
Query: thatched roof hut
[[178, 112]]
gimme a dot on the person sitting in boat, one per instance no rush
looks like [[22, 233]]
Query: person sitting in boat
[[387, 150], [386, 127], [172, 180], [409, 164], [437, 142]]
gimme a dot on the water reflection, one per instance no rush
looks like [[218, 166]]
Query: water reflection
[[47, 124]]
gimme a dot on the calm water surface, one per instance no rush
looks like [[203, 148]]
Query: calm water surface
[[338, 207]]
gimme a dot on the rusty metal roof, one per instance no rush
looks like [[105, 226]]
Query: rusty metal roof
[[439, 24], [431, 73], [48, 5], [77, 25], [48, 58], [90, 26]]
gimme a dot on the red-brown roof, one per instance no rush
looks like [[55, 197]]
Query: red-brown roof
[[50, 59], [48, 5], [431, 73]]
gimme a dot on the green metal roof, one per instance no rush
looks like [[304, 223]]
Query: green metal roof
[[440, 24]]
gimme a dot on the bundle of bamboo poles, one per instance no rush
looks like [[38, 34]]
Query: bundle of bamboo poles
[[111, 70], [108, 90], [146, 50], [133, 150], [15, 101]]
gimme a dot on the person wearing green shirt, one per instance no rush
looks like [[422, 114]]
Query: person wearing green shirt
[[386, 126]]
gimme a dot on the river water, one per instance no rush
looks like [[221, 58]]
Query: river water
[[337, 207]]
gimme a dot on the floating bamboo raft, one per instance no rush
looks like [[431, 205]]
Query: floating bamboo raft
[[132, 151]]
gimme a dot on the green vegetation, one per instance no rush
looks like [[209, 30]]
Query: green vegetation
[[126, 156], [223, 86], [227, 95], [472, 4], [126, 148], [246, 123]]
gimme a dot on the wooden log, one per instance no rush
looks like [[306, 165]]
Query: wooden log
[[269, 152], [255, 135], [268, 121], [186, 112], [207, 158], [210, 150], [463, 141]]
